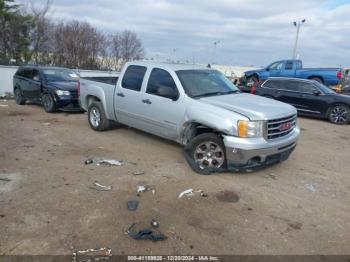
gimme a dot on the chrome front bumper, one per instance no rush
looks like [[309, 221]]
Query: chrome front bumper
[[245, 153]]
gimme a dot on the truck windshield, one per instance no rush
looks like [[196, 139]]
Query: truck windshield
[[200, 83], [58, 74]]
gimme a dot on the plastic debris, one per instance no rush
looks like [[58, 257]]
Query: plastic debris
[[190, 192], [100, 187], [4, 105], [187, 192], [139, 173], [311, 187], [141, 189], [132, 205], [104, 253], [145, 234], [103, 162], [154, 223]]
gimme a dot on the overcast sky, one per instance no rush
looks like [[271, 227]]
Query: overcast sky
[[248, 32]]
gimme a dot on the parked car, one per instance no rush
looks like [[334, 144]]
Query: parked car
[[55, 87], [310, 98], [199, 108], [294, 69]]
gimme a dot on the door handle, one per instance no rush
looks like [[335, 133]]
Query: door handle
[[120, 94], [146, 101]]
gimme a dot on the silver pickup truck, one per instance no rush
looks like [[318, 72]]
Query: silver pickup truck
[[219, 127]]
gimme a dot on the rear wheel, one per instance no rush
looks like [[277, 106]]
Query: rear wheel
[[97, 117], [48, 103], [205, 154], [19, 97], [339, 114]]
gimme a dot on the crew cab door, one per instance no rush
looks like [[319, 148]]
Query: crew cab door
[[127, 96], [162, 104]]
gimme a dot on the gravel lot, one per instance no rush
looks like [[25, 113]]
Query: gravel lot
[[301, 206]]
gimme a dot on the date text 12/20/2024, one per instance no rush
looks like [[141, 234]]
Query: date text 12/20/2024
[[173, 258]]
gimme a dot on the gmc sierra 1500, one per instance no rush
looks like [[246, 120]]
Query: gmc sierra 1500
[[199, 108]]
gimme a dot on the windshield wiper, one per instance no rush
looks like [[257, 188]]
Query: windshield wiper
[[218, 93]]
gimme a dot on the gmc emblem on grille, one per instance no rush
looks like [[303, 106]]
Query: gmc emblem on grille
[[285, 126]]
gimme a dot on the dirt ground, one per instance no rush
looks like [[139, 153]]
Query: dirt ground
[[301, 206]]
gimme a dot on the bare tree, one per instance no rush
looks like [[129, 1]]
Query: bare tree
[[41, 33], [130, 46]]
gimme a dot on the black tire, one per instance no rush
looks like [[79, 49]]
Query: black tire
[[48, 103], [97, 117], [194, 160], [19, 97], [339, 114], [317, 79]]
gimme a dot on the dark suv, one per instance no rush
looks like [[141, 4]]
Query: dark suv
[[310, 98], [55, 87]]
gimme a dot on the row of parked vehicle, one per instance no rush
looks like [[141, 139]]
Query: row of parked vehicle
[[219, 126]]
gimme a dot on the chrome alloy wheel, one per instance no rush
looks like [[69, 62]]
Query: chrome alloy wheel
[[95, 117], [209, 154], [339, 114]]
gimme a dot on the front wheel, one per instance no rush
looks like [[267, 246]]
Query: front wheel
[[48, 103], [205, 154], [97, 117], [339, 114]]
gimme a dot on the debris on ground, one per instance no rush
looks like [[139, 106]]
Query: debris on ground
[[145, 234], [311, 187], [154, 223], [97, 254], [141, 189], [103, 162], [5, 179], [144, 188], [227, 196], [4, 105], [139, 173], [132, 205], [100, 187], [190, 192]]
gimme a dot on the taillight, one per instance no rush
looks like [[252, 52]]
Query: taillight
[[78, 87], [253, 89], [339, 74]]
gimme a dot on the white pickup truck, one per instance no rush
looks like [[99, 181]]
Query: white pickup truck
[[219, 127]]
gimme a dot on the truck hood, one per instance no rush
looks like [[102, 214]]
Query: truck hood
[[252, 106], [64, 85]]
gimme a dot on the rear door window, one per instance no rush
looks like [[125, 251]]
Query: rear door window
[[133, 77], [27, 73], [289, 65]]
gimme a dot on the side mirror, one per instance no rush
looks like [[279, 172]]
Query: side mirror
[[168, 92], [36, 78], [316, 92], [267, 68]]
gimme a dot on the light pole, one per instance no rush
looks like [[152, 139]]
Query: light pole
[[215, 45], [297, 25]]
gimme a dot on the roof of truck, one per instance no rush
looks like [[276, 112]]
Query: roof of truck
[[169, 66]]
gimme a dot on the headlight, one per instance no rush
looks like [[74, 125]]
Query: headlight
[[250, 128], [62, 93]]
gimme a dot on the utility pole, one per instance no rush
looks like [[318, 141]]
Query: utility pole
[[214, 51], [297, 25]]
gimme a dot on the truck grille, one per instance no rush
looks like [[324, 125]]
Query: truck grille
[[280, 127]]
